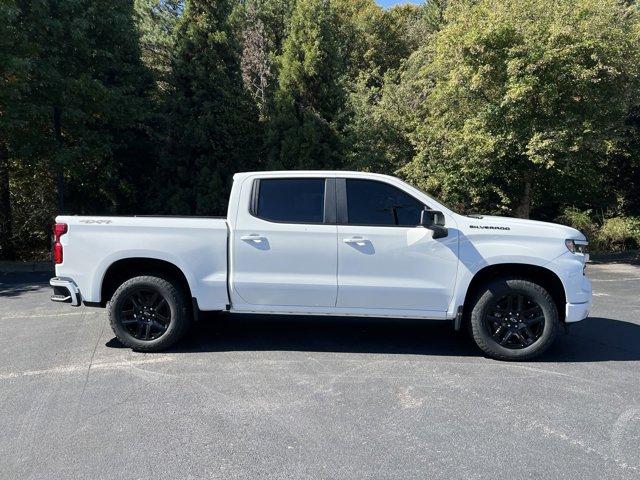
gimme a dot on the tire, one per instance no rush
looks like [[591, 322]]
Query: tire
[[515, 333], [149, 314]]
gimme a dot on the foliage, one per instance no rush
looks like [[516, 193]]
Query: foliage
[[263, 25], [527, 98], [304, 129], [156, 22], [381, 122], [614, 233], [370, 39], [213, 125], [582, 220], [385, 105], [76, 104], [256, 63], [619, 233], [517, 107]]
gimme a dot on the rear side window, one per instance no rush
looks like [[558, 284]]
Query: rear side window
[[291, 200], [377, 203]]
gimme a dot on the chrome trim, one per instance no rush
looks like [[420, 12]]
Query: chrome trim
[[72, 288]]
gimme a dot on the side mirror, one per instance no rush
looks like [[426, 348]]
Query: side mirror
[[434, 221]]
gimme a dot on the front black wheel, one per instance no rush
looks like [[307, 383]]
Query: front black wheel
[[148, 313], [514, 319]]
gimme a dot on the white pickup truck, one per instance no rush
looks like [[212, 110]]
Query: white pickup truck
[[327, 243]]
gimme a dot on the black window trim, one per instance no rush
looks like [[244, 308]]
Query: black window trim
[[343, 212], [329, 206]]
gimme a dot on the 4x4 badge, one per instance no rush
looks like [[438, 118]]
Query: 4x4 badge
[[97, 222]]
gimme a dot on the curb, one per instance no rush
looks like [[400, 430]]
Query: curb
[[14, 267], [632, 256]]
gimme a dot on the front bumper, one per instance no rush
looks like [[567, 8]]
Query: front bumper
[[65, 290], [570, 269], [577, 311]]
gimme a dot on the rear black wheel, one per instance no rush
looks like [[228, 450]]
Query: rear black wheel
[[145, 313], [148, 313], [514, 319]]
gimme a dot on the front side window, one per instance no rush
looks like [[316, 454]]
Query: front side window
[[291, 200], [377, 203]]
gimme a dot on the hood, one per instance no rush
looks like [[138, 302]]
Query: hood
[[521, 226]]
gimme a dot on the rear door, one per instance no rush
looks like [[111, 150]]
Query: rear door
[[284, 245], [385, 260]]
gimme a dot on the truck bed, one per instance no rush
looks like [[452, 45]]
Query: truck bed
[[196, 245]]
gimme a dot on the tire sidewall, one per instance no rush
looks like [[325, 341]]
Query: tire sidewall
[[494, 291], [164, 288]]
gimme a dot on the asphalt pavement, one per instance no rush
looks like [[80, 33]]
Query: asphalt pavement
[[263, 397]]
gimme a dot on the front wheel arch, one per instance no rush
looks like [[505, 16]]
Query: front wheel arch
[[542, 276]]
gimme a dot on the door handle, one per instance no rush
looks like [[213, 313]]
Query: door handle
[[356, 240], [254, 237]]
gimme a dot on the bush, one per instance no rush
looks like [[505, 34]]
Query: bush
[[614, 234], [581, 220], [619, 233]]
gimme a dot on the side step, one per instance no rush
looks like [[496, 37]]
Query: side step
[[61, 298]]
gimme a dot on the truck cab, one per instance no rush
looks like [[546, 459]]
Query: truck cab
[[328, 243]]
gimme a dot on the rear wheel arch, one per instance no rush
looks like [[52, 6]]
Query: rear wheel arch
[[540, 275], [122, 270]]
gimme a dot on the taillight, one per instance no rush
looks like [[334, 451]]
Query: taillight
[[59, 229]]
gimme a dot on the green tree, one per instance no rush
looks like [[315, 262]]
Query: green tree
[[213, 123], [371, 39], [12, 82], [304, 130], [76, 110], [384, 98], [262, 26], [275, 15], [156, 21], [257, 58], [384, 118], [415, 23], [529, 100]]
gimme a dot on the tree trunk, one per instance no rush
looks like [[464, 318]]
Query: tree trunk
[[524, 206], [7, 251]]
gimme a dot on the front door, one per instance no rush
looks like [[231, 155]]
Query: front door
[[385, 260], [284, 247]]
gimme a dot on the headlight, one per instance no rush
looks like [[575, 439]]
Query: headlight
[[576, 246]]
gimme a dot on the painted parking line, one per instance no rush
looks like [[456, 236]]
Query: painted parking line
[[598, 280], [66, 369], [51, 314]]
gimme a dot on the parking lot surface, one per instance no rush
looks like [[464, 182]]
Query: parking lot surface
[[312, 397]]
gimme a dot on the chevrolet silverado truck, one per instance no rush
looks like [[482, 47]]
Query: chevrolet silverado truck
[[327, 243]]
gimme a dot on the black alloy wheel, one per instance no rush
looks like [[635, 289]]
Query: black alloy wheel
[[145, 314], [513, 318], [150, 313], [515, 321]]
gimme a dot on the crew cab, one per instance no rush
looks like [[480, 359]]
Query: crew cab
[[327, 243]]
